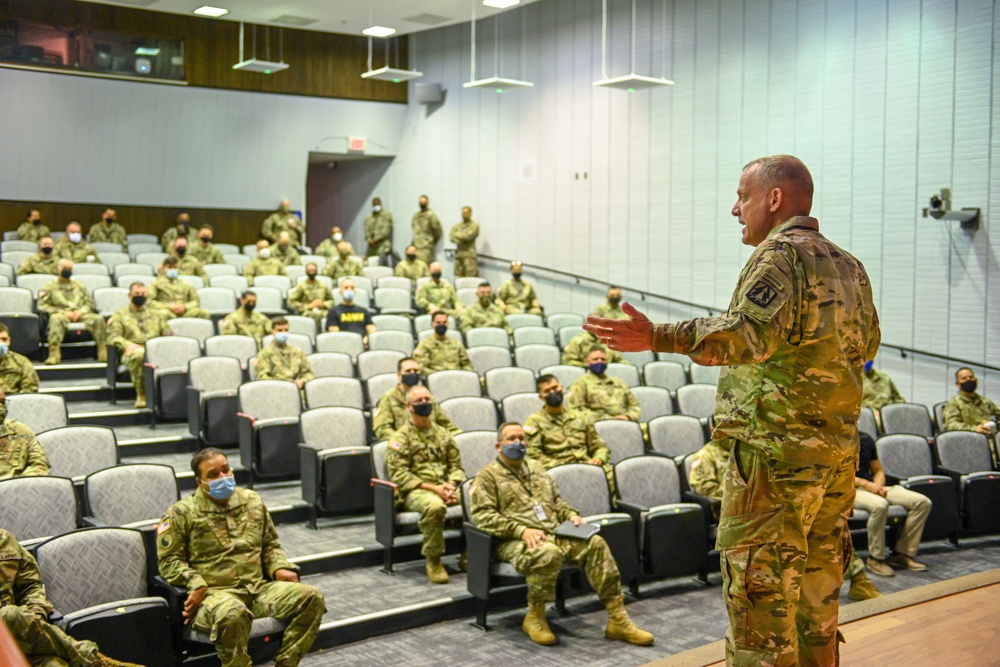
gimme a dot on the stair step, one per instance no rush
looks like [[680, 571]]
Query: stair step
[[72, 370]]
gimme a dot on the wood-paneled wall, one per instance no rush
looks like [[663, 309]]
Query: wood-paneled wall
[[322, 64], [231, 226]]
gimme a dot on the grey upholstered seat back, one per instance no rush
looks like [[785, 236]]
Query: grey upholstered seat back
[[487, 336], [867, 423], [565, 373], [627, 372], [392, 298], [75, 451], [521, 320], [667, 374], [220, 299], [333, 427], [518, 407], [170, 352], [506, 381], [240, 347], [301, 341], [904, 455], [536, 357], [964, 451], [470, 413], [41, 412], [33, 507], [486, 358], [401, 341], [131, 493], [477, 449], [378, 361], [623, 438], [907, 418], [559, 320], [449, 384], [533, 335], [215, 373], [705, 374], [676, 435], [346, 342], [331, 364], [378, 460], [378, 385], [270, 399], [697, 400], [654, 402], [584, 487], [648, 480], [193, 327], [334, 391]]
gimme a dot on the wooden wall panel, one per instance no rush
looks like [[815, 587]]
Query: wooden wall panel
[[322, 64]]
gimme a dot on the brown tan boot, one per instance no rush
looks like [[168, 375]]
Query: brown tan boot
[[862, 588], [102, 353], [463, 561], [105, 661], [536, 626], [140, 398], [55, 355], [621, 627], [435, 570]]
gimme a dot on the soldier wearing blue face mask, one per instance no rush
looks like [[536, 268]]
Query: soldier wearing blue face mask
[[878, 389], [281, 361], [349, 316], [173, 297], [602, 396]]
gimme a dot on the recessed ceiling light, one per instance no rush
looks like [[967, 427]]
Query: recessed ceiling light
[[208, 10], [147, 51], [378, 31], [501, 4]]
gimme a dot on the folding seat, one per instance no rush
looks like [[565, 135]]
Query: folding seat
[[34, 508], [627, 372], [270, 300], [303, 326], [938, 410], [377, 385], [239, 261], [227, 249], [17, 257], [906, 459], [135, 495], [77, 451], [468, 283], [673, 535], [41, 412], [346, 342], [565, 373], [192, 327], [536, 357], [556, 321], [142, 238], [681, 359], [518, 407], [912, 418], [867, 422], [393, 300], [397, 282], [242, 348], [638, 359], [218, 301], [212, 399], [467, 295], [300, 341], [318, 260], [269, 428], [17, 245], [471, 413], [34, 282], [533, 335], [375, 362], [7, 271], [623, 438], [151, 257], [281, 283], [697, 400], [298, 275], [250, 250], [166, 369], [488, 357], [194, 281], [676, 436], [423, 323], [94, 269], [361, 298], [104, 597], [216, 270], [505, 381], [965, 457], [521, 320], [477, 449], [389, 522], [113, 259], [654, 402], [453, 334], [361, 284], [376, 272], [238, 284], [487, 336], [401, 341], [126, 280], [133, 269], [335, 461], [393, 323], [567, 333], [449, 384], [106, 246], [335, 392], [331, 364]]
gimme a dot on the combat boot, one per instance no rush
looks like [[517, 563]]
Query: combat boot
[[536, 626], [435, 570], [862, 588], [463, 561], [621, 627], [140, 398], [105, 661], [102, 353], [55, 355]]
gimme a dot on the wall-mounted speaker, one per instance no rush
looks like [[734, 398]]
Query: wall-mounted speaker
[[428, 93]]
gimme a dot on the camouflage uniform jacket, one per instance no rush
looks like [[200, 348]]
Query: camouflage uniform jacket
[[78, 252], [289, 256], [609, 311], [206, 254], [441, 355], [113, 233], [164, 292], [504, 499], [17, 374], [426, 229], [476, 317], [579, 347], [40, 263], [61, 297], [566, 437], [390, 415], [416, 457], [29, 231], [603, 397], [258, 266], [191, 266], [285, 362], [707, 470], [253, 324], [340, 268], [800, 326], [464, 236], [136, 326], [440, 294], [200, 543], [378, 232], [518, 295], [278, 222], [170, 237], [965, 414], [306, 292], [328, 248], [20, 580], [879, 390], [21, 455], [412, 269]]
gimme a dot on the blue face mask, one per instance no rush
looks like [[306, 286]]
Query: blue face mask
[[515, 451], [598, 369], [222, 488], [4, 348], [868, 365], [172, 274], [281, 337], [348, 295]]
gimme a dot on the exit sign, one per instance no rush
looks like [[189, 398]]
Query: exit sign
[[356, 144]]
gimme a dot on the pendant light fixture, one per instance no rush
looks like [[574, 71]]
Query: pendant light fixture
[[495, 82], [631, 82]]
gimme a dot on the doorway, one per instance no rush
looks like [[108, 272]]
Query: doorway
[[339, 191]]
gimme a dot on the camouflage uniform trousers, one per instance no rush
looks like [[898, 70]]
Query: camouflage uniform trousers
[[135, 362], [541, 566], [467, 266], [226, 615], [782, 553], [44, 643], [431, 524], [96, 325], [199, 313]]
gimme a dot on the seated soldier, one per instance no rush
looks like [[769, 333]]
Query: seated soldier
[[72, 246], [21, 455], [221, 545], [423, 461], [204, 250], [515, 499], [245, 321], [68, 301], [311, 298], [390, 414], [438, 294], [188, 265], [46, 261], [32, 228], [518, 295], [348, 316], [969, 411], [174, 297], [285, 251], [878, 389], [483, 313], [343, 264], [580, 345], [330, 247], [25, 610], [412, 267], [602, 396], [558, 435], [180, 230], [263, 264], [437, 352], [107, 230], [129, 329], [612, 308], [281, 361], [17, 373]]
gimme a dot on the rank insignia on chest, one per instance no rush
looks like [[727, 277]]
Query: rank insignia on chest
[[762, 294]]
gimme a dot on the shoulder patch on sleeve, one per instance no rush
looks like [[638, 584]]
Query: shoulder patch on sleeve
[[41, 293], [394, 445], [417, 352], [762, 294], [696, 463], [163, 527], [529, 429], [375, 412]]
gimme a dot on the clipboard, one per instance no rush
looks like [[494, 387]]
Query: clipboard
[[582, 532]]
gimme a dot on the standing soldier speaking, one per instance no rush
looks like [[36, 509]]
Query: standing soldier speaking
[[800, 326]]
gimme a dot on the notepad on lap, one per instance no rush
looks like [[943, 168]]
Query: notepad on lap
[[582, 532]]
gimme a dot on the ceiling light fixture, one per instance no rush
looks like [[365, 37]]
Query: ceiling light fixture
[[501, 4], [393, 74], [208, 10], [495, 82], [378, 31], [264, 66], [631, 82], [147, 51]]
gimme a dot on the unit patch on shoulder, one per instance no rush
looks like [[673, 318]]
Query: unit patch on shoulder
[[394, 445], [762, 294]]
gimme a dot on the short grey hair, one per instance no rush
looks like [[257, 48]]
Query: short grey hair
[[782, 170], [503, 426]]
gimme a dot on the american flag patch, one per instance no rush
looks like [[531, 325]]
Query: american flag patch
[[394, 445], [165, 526]]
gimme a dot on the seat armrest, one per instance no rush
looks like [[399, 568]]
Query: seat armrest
[[955, 475], [175, 596], [479, 548], [385, 511], [708, 504], [634, 510]]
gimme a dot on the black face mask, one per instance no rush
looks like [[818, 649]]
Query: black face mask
[[969, 386], [139, 301], [436, 275], [423, 409], [249, 307], [423, 207], [410, 257], [555, 399], [517, 276], [38, 222], [311, 276], [440, 329], [47, 250], [66, 273], [206, 239], [411, 379], [181, 251], [109, 220], [614, 300], [183, 229]]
